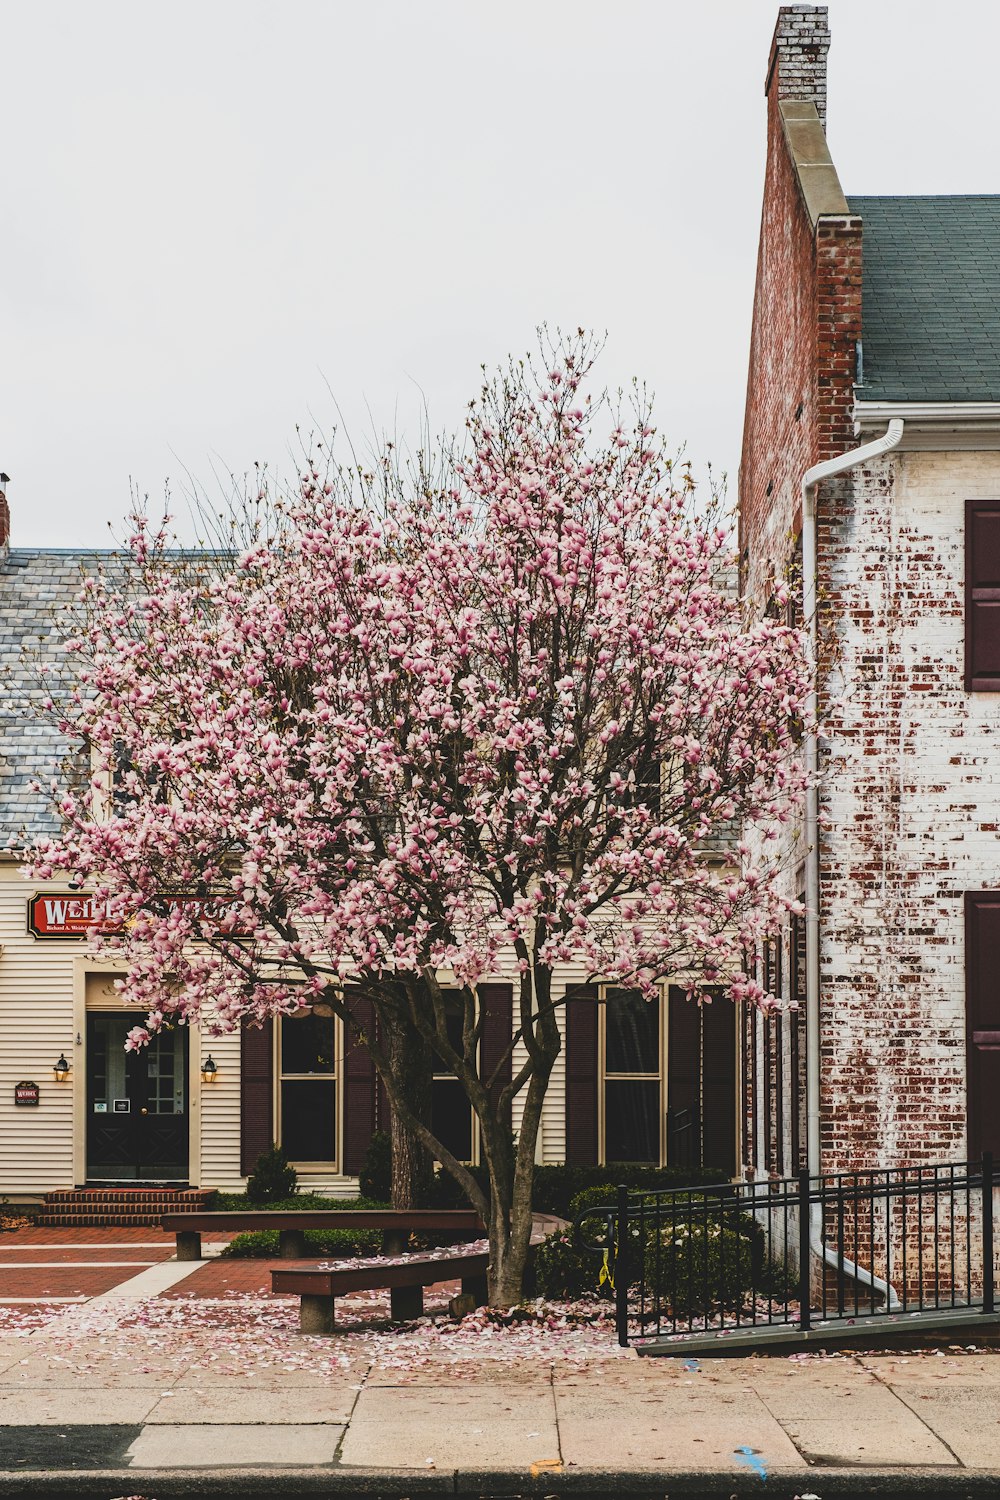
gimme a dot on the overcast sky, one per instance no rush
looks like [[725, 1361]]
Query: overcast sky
[[216, 214]]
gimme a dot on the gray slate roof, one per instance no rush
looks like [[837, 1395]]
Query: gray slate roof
[[930, 298], [33, 586]]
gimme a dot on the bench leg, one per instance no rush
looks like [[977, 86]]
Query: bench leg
[[188, 1244], [475, 1286], [406, 1303], [291, 1244], [394, 1241], [315, 1313]]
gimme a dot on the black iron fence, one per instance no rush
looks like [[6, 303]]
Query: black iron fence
[[797, 1252]]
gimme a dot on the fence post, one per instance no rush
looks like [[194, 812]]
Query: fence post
[[804, 1253], [988, 1305], [622, 1259]]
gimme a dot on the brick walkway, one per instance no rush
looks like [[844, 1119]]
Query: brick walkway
[[43, 1266]]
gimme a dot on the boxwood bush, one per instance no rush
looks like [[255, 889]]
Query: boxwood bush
[[262, 1244], [696, 1268]]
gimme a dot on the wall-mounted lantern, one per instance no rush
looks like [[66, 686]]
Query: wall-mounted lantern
[[60, 1069], [209, 1069]]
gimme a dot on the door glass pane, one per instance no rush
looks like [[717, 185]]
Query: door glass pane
[[632, 1120], [307, 1045], [165, 1074], [451, 1117], [309, 1119], [633, 1033]]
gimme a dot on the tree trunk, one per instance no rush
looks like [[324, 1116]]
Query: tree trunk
[[512, 1172], [412, 1064]]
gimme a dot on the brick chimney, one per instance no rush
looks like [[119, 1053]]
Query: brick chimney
[[797, 67], [4, 516]]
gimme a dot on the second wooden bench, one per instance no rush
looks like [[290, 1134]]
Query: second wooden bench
[[396, 1225]]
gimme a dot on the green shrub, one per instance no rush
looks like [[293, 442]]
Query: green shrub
[[375, 1177], [603, 1195], [699, 1267], [263, 1244], [556, 1187], [273, 1178], [565, 1271], [301, 1203]]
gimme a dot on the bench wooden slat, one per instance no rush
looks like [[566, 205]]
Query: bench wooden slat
[[416, 1270], [342, 1218]]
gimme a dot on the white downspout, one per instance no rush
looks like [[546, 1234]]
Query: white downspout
[[810, 479]]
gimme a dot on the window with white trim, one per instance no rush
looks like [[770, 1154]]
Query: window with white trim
[[452, 1118], [307, 1079], [632, 1077]]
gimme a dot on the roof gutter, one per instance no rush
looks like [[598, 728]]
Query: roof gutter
[[811, 479], [926, 413]]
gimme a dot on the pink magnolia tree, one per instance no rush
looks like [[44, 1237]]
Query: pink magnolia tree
[[425, 730]]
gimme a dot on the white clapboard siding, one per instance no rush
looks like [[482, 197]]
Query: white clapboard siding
[[36, 1025], [220, 1116]]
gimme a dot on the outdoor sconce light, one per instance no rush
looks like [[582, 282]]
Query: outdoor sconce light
[[60, 1069], [209, 1070]]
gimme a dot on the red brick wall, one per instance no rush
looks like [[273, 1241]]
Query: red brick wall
[[806, 324]]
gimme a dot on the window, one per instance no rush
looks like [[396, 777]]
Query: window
[[451, 1112], [307, 1088], [633, 1087], [982, 596]]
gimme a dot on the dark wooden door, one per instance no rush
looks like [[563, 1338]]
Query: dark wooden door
[[137, 1103]]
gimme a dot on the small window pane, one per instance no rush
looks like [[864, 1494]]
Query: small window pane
[[451, 1117], [309, 1119], [633, 1033], [632, 1120], [307, 1044]]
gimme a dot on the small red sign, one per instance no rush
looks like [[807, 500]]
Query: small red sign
[[70, 915], [26, 1093]]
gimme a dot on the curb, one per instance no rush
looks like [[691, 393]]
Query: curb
[[396, 1484]]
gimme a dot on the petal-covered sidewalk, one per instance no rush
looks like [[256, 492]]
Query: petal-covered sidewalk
[[129, 1394]]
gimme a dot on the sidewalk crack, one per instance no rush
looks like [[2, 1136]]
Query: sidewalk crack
[[903, 1402]]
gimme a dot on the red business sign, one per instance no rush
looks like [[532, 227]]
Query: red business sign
[[67, 915], [26, 1093]]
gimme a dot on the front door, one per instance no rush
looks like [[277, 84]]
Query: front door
[[137, 1103]]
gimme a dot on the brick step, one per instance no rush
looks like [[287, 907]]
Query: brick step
[[109, 1220], [85, 1196], [90, 1208]]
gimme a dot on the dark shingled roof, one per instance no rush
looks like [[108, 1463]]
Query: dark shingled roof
[[930, 298], [33, 586]]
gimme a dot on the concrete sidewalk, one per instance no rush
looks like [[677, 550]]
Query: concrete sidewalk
[[170, 1415]]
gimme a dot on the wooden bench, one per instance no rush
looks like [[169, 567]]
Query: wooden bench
[[396, 1226], [318, 1287]]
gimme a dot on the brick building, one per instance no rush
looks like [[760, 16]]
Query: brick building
[[871, 473]]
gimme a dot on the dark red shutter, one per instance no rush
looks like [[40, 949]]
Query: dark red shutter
[[701, 1081], [718, 1082], [256, 1093], [497, 1002], [982, 1019], [684, 1121], [359, 1085], [982, 596], [581, 1075]]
